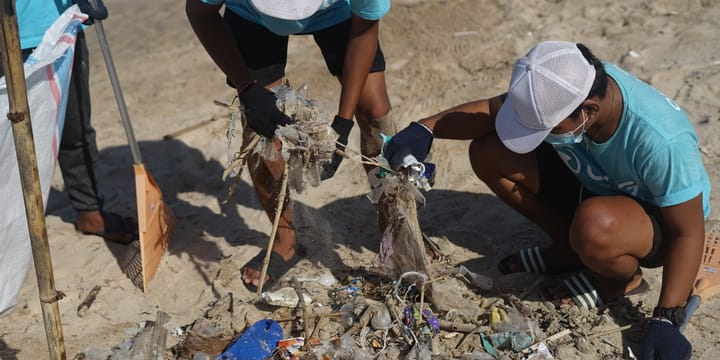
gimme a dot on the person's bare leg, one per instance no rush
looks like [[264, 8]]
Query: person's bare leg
[[373, 117], [266, 177], [514, 179], [610, 234]]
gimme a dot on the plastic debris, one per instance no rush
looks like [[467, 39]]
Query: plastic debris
[[325, 279], [290, 348], [542, 353], [380, 317], [432, 320], [481, 281], [286, 296], [255, 343]]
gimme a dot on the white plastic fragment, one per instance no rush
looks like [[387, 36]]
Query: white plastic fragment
[[481, 281], [284, 297]]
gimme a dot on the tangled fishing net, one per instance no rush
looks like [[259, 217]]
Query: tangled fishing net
[[308, 142]]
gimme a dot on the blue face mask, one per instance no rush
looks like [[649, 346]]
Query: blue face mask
[[568, 138]]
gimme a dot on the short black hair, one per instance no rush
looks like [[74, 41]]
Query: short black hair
[[599, 85]]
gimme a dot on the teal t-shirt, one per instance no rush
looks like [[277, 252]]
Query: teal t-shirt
[[331, 12], [35, 17], [653, 154]]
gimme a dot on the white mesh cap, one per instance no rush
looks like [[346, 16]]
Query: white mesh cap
[[547, 84], [287, 9]]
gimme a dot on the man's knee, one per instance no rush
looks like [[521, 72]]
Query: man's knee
[[592, 233]]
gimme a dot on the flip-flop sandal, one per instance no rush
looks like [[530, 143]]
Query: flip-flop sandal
[[256, 343], [531, 260], [277, 267], [115, 224], [585, 295], [526, 260]]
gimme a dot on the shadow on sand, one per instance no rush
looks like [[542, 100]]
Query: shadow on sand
[[476, 221]]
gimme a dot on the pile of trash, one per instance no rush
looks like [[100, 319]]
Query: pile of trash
[[369, 316], [362, 314], [308, 143]]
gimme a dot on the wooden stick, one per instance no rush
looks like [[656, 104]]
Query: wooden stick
[[303, 306], [150, 342], [361, 323], [278, 214], [459, 327], [610, 332], [548, 339], [159, 336], [230, 106], [19, 115], [467, 336], [89, 299], [176, 134], [318, 323], [390, 303], [422, 300]]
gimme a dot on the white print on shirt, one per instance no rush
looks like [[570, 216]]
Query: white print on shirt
[[575, 164], [629, 187]]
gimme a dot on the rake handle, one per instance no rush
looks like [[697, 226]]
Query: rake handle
[[125, 117], [692, 305]]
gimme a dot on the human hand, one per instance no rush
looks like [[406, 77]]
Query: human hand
[[663, 340], [341, 126], [94, 9], [261, 110], [414, 140]]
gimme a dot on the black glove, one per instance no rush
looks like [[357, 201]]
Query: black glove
[[95, 9], [664, 341], [341, 126], [261, 110], [414, 140]]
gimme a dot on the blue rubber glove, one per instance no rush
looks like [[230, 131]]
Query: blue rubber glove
[[261, 110], [94, 9], [664, 341], [414, 140], [341, 126]]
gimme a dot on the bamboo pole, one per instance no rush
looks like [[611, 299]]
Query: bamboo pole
[[19, 116], [276, 222]]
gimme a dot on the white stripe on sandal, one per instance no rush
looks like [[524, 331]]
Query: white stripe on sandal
[[532, 260], [583, 292]]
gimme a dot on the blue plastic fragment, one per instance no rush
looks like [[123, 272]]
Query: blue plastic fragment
[[256, 343], [432, 320], [408, 315]]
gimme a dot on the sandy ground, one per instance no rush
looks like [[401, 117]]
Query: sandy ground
[[439, 53]]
